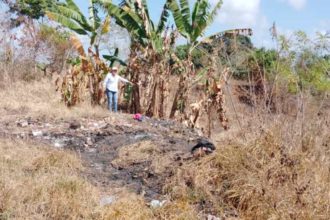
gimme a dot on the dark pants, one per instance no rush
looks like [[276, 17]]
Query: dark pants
[[112, 98]]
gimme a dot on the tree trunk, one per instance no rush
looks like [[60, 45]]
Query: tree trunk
[[151, 112], [176, 97]]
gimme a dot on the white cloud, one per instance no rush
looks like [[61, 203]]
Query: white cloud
[[246, 14], [240, 13], [296, 4]]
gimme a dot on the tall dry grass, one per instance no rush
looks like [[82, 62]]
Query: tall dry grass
[[38, 183], [40, 99], [280, 170]]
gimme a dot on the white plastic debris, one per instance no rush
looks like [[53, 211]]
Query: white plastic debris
[[107, 200], [156, 203], [58, 144], [22, 123], [89, 141], [37, 133], [212, 217]]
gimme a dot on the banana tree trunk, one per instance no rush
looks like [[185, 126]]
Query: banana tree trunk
[[151, 112], [178, 96]]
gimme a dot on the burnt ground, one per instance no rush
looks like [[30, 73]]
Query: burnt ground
[[116, 151]]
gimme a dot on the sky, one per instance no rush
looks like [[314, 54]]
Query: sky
[[289, 15], [310, 16]]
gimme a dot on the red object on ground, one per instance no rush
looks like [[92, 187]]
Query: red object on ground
[[137, 116]]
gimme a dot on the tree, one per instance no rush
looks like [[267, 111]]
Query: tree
[[150, 54], [133, 15], [192, 25], [31, 9], [69, 15], [55, 50]]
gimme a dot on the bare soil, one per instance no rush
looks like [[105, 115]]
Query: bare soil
[[117, 151]]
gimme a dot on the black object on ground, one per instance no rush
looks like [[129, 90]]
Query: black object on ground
[[204, 146]]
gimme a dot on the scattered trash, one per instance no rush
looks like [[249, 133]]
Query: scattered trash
[[21, 135], [22, 123], [138, 117], [127, 125], [91, 150], [89, 141], [37, 133], [157, 204], [58, 144], [212, 217], [202, 147], [107, 200], [47, 137]]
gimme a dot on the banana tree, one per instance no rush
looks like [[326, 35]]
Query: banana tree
[[134, 16], [150, 53], [69, 15], [191, 25]]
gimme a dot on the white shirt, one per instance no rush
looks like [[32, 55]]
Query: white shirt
[[111, 82]]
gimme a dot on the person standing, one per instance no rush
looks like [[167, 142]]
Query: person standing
[[110, 84]]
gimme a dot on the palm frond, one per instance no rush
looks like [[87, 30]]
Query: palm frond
[[194, 13], [67, 22], [178, 18], [214, 12], [72, 14], [185, 11], [114, 58], [70, 4], [93, 15], [128, 20], [163, 19], [200, 22]]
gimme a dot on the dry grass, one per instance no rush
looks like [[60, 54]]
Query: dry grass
[[39, 183], [136, 153], [128, 207], [278, 175], [39, 99], [272, 167], [145, 151]]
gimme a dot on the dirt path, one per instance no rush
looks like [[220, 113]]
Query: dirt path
[[116, 151]]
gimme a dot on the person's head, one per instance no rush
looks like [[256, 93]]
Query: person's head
[[114, 70]]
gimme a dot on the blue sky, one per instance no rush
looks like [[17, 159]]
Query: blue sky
[[290, 15]]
